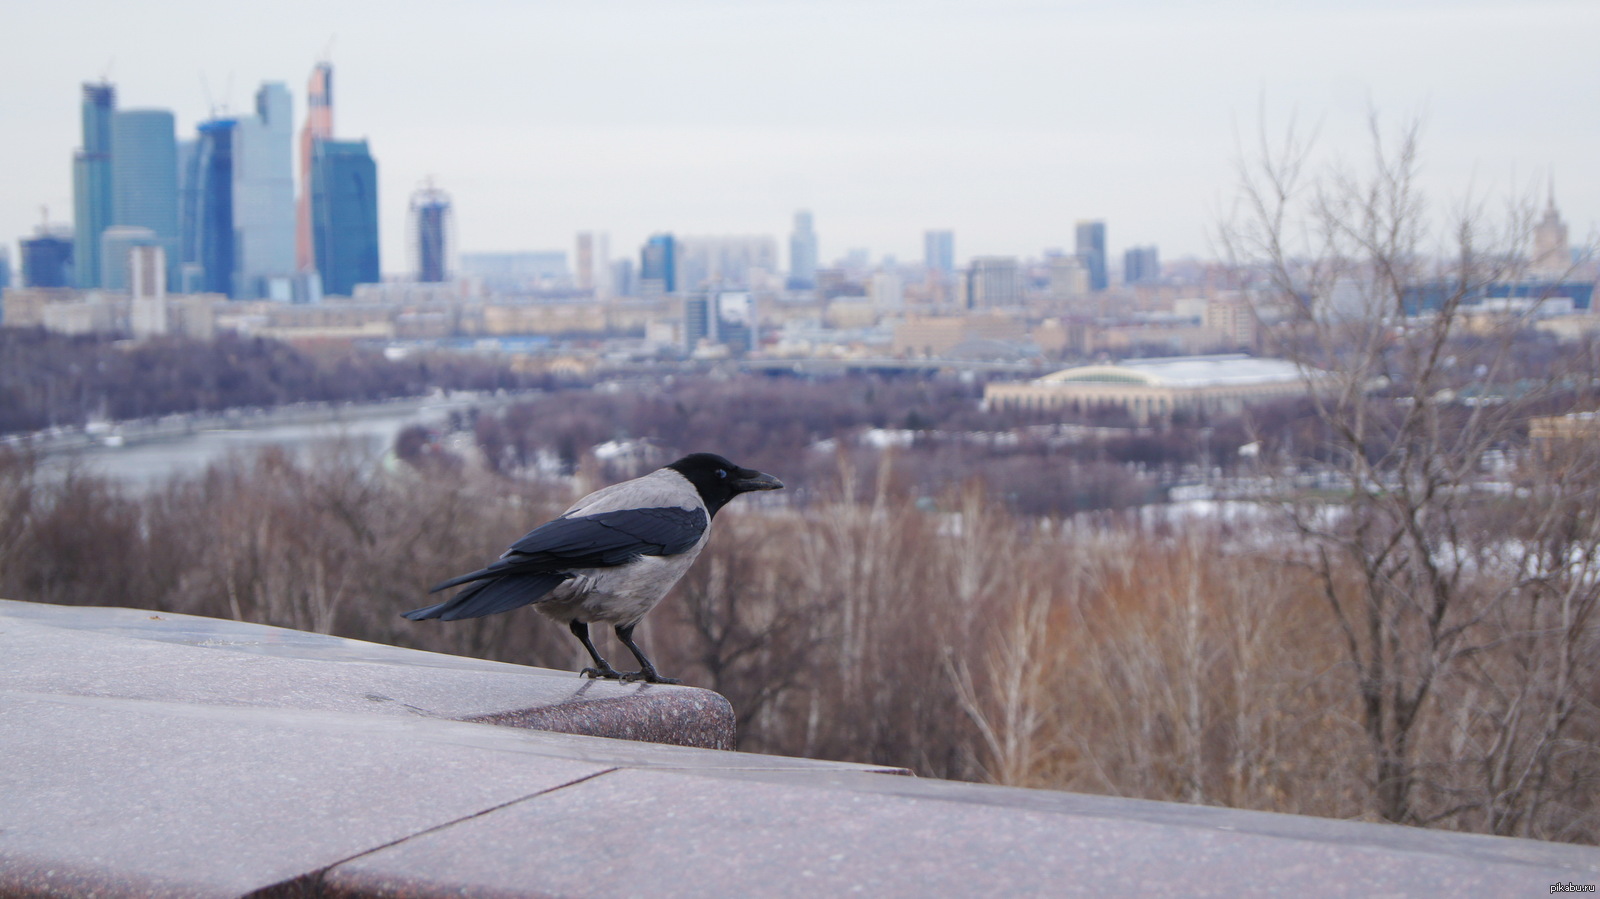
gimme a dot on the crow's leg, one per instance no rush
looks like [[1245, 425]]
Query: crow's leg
[[647, 671], [602, 668]]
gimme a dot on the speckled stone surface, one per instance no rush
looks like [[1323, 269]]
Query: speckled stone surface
[[191, 758], [633, 832], [137, 654]]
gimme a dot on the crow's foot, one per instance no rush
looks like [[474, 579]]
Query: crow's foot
[[606, 672]]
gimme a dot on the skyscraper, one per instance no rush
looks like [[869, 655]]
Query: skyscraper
[[658, 265], [318, 126], [206, 212], [1552, 255], [144, 181], [237, 206], [344, 214], [1092, 250], [585, 261], [47, 258], [939, 251], [802, 253], [263, 201], [430, 233], [91, 181]]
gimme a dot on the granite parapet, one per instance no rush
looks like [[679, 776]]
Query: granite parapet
[[147, 754]]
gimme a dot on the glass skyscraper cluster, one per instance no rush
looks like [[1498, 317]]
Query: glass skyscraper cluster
[[222, 206]]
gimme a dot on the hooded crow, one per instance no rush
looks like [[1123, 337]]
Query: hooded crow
[[610, 557]]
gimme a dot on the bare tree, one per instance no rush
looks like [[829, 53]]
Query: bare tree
[[1431, 578]]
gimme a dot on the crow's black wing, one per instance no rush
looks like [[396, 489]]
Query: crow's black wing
[[541, 560], [595, 541], [611, 538]]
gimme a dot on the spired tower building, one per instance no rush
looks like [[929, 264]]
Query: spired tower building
[[1552, 255]]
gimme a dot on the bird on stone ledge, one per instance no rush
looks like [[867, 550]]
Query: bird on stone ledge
[[610, 558]]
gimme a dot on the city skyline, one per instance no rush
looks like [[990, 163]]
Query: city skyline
[[1005, 124]]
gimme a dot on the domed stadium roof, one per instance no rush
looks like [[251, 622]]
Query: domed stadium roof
[[1182, 371]]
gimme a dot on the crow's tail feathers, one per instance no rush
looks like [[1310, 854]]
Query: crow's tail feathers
[[486, 597]]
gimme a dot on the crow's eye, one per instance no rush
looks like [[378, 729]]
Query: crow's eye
[[722, 472]]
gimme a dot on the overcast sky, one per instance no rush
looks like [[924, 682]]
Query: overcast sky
[[1004, 121]]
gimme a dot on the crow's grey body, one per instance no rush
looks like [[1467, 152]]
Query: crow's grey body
[[623, 594], [611, 557]]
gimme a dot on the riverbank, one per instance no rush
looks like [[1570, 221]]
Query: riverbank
[[146, 452]]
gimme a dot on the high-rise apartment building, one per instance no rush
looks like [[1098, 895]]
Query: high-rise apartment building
[[1091, 247], [1069, 279], [144, 181], [344, 215], [939, 251], [430, 233], [994, 281], [1141, 265], [92, 196], [585, 256], [802, 253]]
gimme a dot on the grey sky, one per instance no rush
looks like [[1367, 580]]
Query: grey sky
[[1004, 121]]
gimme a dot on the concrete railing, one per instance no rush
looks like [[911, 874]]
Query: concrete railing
[[148, 754]]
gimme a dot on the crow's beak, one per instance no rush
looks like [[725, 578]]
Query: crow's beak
[[749, 480]]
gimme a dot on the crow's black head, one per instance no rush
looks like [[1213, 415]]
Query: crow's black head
[[719, 480]]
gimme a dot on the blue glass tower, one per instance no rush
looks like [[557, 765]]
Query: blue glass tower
[[207, 212], [47, 259], [144, 177], [344, 214], [658, 264], [430, 215], [1092, 251]]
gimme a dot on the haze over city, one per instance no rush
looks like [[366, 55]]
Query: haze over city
[[1005, 123]]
